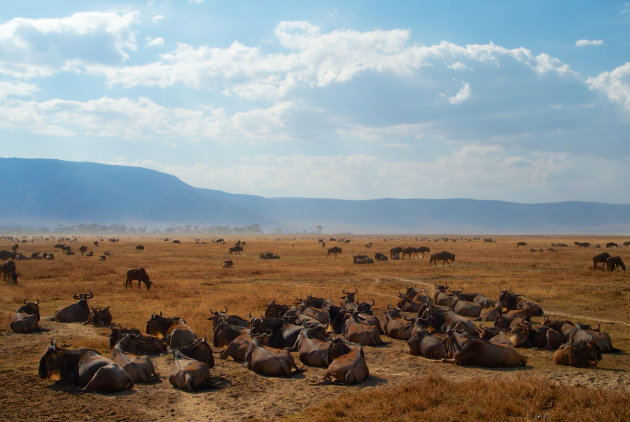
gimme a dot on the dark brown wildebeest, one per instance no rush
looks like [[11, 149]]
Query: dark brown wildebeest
[[612, 263], [268, 255], [583, 355], [9, 272], [409, 250], [360, 332], [442, 298], [139, 274], [362, 259], [4, 255], [444, 256], [27, 318], [583, 244], [268, 361], [238, 347], [199, 350], [380, 257], [397, 326], [346, 362], [140, 344], [175, 331], [96, 243], [611, 245], [223, 317], [227, 263], [334, 251], [422, 343], [83, 368], [189, 374], [235, 249], [139, 248], [478, 352], [139, 368], [395, 251], [582, 334], [312, 352], [521, 244], [83, 249], [118, 332], [601, 258], [77, 312], [99, 317]]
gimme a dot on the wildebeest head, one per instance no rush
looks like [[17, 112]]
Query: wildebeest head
[[339, 347], [83, 296], [31, 308], [50, 362], [118, 332], [349, 296], [507, 299], [159, 324], [199, 350], [99, 317]]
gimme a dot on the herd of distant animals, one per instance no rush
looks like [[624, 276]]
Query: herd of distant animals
[[322, 332]]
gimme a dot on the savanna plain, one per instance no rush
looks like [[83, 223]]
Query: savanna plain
[[189, 280]]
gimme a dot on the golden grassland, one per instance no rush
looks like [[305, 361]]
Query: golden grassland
[[189, 280]]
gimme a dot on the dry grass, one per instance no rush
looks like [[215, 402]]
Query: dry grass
[[189, 280]]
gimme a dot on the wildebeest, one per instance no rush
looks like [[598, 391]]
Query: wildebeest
[[83, 249], [199, 350], [238, 347], [9, 272], [139, 368], [346, 362], [615, 262], [585, 355], [362, 259], [360, 332], [77, 312], [611, 245], [396, 325], [475, 351], [444, 256], [521, 244], [380, 257], [140, 248], [227, 263], [235, 249], [269, 361], [4, 255], [422, 343], [27, 318], [188, 374], [601, 258], [312, 352], [395, 251], [139, 344], [268, 255], [174, 330], [582, 334], [99, 317], [139, 274], [334, 251], [83, 368]]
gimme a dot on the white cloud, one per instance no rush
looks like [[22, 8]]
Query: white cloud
[[584, 43], [155, 42], [16, 89], [157, 18], [41, 47], [614, 84], [461, 96]]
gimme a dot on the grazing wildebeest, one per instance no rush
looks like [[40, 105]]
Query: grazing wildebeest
[[614, 262], [83, 368], [444, 256], [188, 374], [27, 318], [139, 248], [139, 274], [9, 272], [601, 258], [77, 312], [334, 251], [346, 362]]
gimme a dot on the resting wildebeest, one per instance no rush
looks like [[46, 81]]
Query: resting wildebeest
[[601, 258], [312, 352], [268, 255], [396, 325], [444, 256], [268, 361], [475, 351], [139, 368], [99, 317], [585, 355], [346, 362], [380, 257], [612, 263], [174, 330], [139, 274], [189, 374], [582, 334], [238, 347], [199, 350], [27, 318], [227, 263], [140, 344], [422, 343], [360, 332], [77, 312], [83, 368]]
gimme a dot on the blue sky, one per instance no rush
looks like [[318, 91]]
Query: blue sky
[[519, 101]]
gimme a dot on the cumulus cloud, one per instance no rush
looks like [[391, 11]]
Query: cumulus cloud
[[16, 89], [614, 84], [585, 43], [461, 96], [41, 47], [155, 42]]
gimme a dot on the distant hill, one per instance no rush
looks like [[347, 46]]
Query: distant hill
[[42, 192]]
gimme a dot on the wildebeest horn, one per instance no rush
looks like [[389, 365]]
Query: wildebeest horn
[[405, 317], [250, 315], [344, 292], [211, 311], [75, 296], [25, 301], [225, 307], [372, 302], [90, 296], [160, 313], [37, 303]]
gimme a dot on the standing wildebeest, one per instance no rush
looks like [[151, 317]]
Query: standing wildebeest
[[443, 256], [521, 244], [77, 312], [613, 262], [611, 245], [602, 257], [26, 318], [83, 368], [83, 249], [9, 272], [334, 251], [139, 274], [139, 248], [235, 249]]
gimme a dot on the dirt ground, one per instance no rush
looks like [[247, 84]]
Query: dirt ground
[[189, 280]]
